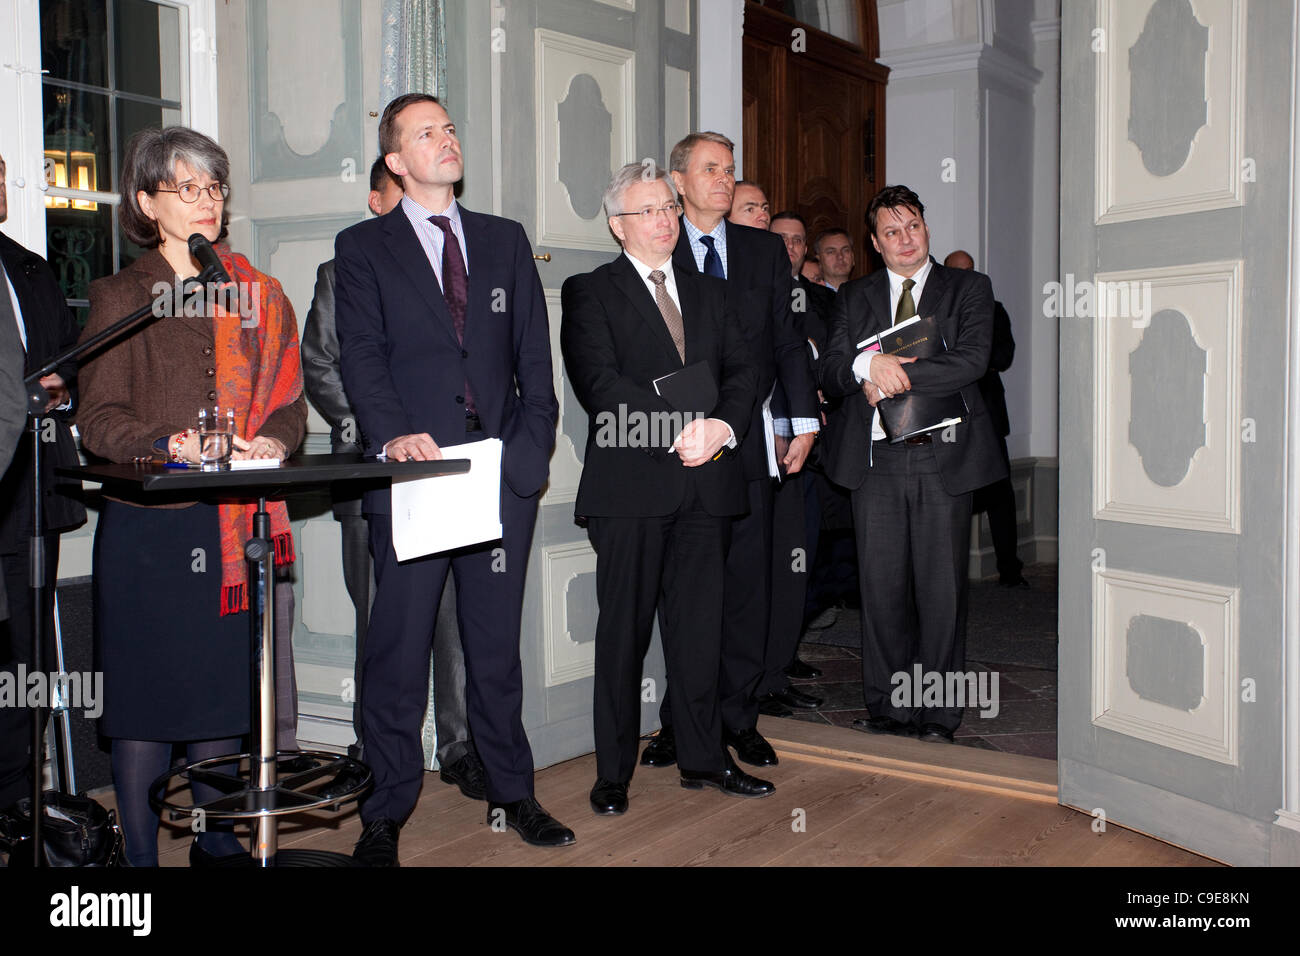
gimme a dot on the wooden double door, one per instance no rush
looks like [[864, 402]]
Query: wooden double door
[[814, 120]]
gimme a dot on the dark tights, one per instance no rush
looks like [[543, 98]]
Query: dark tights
[[138, 763]]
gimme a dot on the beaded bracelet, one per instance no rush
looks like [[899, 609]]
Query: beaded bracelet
[[180, 445]]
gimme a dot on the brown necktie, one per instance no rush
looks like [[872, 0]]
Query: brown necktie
[[906, 307], [672, 317]]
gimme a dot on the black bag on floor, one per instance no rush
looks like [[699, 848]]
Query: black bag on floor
[[76, 831]]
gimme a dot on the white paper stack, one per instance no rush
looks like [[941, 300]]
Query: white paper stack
[[445, 512]]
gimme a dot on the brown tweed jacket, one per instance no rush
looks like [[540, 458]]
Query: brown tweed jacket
[[154, 383]]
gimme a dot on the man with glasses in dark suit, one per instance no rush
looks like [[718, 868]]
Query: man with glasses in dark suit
[[757, 272]]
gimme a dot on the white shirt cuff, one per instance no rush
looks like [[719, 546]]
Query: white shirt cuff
[[862, 367]]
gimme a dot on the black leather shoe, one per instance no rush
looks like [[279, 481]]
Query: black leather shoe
[[200, 857], [528, 819], [794, 697], [769, 705], [296, 764], [378, 844], [802, 670], [883, 725], [935, 734], [608, 798], [345, 782], [468, 774], [1017, 581], [661, 751], [733, 781], [750, 747]]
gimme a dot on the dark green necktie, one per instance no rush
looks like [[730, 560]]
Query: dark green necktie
[[906, 307]]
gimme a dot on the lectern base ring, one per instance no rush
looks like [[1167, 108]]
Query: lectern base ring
[[242, 799]]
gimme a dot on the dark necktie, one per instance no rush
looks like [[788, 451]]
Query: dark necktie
[[672, 317], [712, 261], [455, 287], [906, 307]]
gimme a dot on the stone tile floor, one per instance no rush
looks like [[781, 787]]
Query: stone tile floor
[[1010, 632]]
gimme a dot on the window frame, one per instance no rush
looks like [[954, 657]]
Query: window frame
[[22, 142]]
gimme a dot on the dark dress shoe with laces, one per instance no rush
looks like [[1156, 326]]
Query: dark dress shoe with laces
[[347, 781], [801, 670], [609, 798], [935, 734], [733, 781], [661, 751], [769, 705], [200, 857], [751, 747], [883, 725], [468, 774], [794, 697], [527, 818], [378, 844]]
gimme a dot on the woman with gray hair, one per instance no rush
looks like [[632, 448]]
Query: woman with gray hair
[[170, 588]]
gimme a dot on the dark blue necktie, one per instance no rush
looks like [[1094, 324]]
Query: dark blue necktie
[[712, 261]]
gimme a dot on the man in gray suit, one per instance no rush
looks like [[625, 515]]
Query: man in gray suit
[[457, 757]]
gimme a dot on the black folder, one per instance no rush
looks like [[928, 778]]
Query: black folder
[[911, 413], [691, 389]]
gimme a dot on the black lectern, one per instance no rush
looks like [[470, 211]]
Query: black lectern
[[262, 796]]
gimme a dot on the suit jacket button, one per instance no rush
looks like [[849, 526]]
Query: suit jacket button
[[464, 354], [207, 350], [210, 372], [212, 396], [460, 399]]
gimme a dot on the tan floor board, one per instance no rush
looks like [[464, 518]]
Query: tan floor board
[[699, 827], [867, 800], [825, 795], [1024, 835], [897, 830]]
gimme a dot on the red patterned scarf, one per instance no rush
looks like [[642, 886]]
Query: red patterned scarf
[[258, 371]]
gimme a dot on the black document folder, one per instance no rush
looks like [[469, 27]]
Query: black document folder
[[691, 389], [911, 413]]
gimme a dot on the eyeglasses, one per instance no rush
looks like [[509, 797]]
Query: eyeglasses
[[670, 209], [189, 193]]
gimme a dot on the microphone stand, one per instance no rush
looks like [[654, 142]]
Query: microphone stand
[[37, 398]]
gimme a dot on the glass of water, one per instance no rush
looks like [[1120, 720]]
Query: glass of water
[[216, 437]]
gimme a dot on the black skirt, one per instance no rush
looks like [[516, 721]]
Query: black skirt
[[174, 668]]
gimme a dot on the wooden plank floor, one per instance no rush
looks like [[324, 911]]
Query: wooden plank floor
[[843, 799]]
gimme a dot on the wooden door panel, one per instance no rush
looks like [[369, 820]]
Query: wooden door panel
[[828, 146], [762, 137], [814, 120]]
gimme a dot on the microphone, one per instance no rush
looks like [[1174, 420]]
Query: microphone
[[209, 261]]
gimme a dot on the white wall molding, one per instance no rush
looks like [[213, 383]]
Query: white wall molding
[[1209, 730], [566, 659], [990, 61], [1210, 297]]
